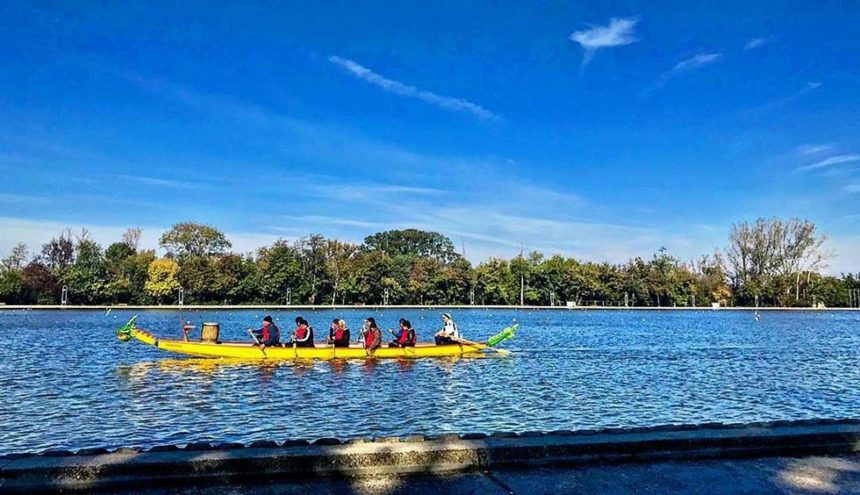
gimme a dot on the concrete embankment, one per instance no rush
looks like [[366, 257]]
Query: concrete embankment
[[198, 463]]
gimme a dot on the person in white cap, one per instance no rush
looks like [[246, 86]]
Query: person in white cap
[[449, 334]]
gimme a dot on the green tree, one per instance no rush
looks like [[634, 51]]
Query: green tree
[[12, 288], [413, 242], [495, 283], [162, 280], [279, 269], [194, 239], [87, 276]]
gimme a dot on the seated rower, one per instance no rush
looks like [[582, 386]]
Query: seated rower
[[303, 335], [372, 336], [338, 335], [269, 335], [450, 333], [331, 329], [405, 337]]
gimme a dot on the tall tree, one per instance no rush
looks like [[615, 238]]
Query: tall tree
[[131, 238], [413, 242], [194, 239], [17, 257], [87, 276], [59, 253], [765, 255]]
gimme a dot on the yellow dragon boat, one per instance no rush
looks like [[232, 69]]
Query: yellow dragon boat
[[251, 351]]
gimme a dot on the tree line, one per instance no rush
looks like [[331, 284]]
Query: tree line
[[769, 262]]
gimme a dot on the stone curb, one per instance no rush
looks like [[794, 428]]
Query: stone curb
[[89, 470]]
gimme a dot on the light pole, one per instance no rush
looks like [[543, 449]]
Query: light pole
[[181, 298]]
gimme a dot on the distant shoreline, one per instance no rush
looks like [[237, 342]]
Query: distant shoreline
[[320, 307]]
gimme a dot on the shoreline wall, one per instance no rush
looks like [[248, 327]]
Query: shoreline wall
[[91, 469]]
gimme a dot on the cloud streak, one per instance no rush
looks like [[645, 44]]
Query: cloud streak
[[690, 64], [619, 32], [813, 149], [830, 161], [755, 43], [158, 182], [402, 89]]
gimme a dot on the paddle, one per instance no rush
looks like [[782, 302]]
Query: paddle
[[480, 346], [259, 344], [507, 333], [333, 350]]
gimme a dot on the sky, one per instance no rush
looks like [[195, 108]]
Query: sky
[[602, 130]]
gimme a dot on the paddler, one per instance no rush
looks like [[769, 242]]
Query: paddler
[[405, 337], [450, 333], [338, 334], [303, 335], [269, 335], [372, 336]]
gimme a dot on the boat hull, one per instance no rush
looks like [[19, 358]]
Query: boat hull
[[245, 350]]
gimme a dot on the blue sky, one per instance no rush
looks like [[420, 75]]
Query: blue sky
[[602, 129]]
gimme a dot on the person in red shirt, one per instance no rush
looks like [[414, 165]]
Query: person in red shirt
[[372, 336], [269, 334], [303, 335], [338, 335], [406, 337]]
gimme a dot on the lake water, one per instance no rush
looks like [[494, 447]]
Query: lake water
[[67, 383]]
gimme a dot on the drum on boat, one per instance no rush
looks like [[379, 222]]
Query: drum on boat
[[209, 333]]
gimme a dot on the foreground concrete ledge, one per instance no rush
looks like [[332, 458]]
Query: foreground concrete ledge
[[200, 462]]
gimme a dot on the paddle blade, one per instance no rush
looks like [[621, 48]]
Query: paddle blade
[[507, 333], [123, 333]]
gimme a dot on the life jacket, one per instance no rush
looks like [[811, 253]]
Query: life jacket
[[338, 334], [271, 330], [302, 333], [406, 337], [371, 337]]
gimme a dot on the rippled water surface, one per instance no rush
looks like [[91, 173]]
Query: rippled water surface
[[66, 382]]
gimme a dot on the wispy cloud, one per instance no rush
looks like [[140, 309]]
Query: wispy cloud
[[6, 198], [695, 62], [619, 32], [808, 88], [778, 103], [814, 149], [158, 182], [755, 43], [402, 89], [853, 188], [361, 191], [829, 161]]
